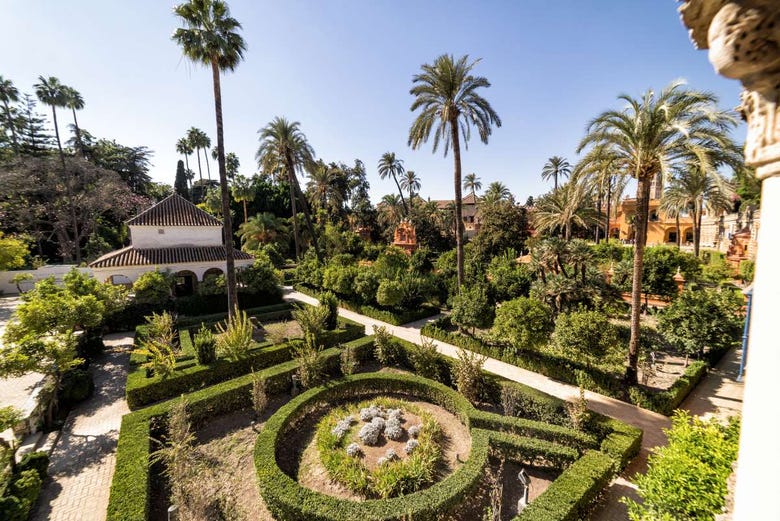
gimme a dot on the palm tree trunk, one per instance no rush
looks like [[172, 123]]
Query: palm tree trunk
[[697, 230], [403, 201], [567, 232], [290, 167], [208, 168], [200, 172], [598, 210], [642, 206], [458, 201], [11, 125], [78, 133], [307, 218], [555, 181], [232, 291], [609, 204], [246, 218], [677, 224], [187, 166], [68, 189]]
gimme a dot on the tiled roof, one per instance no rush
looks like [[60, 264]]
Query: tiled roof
[[130, 256], [174, 210]]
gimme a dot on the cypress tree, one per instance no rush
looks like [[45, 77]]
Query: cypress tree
[[180, 184]]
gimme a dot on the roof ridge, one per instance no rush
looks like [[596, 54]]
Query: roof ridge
[[174, 210]]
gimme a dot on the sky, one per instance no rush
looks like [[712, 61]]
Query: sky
[[343, 69]]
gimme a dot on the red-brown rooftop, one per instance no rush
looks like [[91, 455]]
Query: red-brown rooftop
[[174, 210]]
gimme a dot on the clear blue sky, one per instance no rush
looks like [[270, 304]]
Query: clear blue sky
[[343, 68]]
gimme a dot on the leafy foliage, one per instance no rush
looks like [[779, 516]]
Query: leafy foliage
[[425, 359], [154, 288], [205, 346], [472, 308], [524, 323], [586, 336], [468, 374], [235, 339], [13, 252]]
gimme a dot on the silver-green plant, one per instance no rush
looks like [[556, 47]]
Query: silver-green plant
[[235, 338]]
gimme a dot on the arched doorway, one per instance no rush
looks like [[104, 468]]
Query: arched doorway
[[186, 282], [688, 235], [670, 236], [212, 272]]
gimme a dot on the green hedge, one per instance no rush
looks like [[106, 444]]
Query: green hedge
[[393, 317], [620, 441], [262, 313], [129, 499], [533, 429], [667, 401], [24, 487], [142, 390], [569, 497]]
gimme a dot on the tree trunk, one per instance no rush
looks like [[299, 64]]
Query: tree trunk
[[697, 230], [227, 224], [187, 173], [78, 134], [567, 231], [642, 205], [598, 211], [68, 189], [677, 224], [246, 218], [208, 168], [555, 181], [403, 201], [296, 235], [458, 201], [307, 218], [609, 204], [11, 125], [200, 172]]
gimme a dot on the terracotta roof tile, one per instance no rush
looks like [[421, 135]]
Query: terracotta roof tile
[[174, 210], [130, 256]]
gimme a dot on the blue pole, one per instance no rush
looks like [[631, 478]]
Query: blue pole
[[749, 295]]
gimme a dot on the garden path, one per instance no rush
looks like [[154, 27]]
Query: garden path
[[82, 462], [718, 393]]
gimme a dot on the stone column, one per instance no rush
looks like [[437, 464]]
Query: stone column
[[743, 38]]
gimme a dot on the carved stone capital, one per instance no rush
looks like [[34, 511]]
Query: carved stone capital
[[743, 38]]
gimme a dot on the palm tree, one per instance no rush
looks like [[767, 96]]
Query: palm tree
[[554, 168], [210, 37], [391, 211], [447, 95], [284, 149], [472, 183], [243, 191], [9, 94], [495, 193], [232, 163], [695, 190], [51, 92], [260, 229], [673, 207], [74, 101], [390, 166], [410, 182], [322, 187], [185, 148], [601, 170], [560, 209], [648, 137], [197, 140]]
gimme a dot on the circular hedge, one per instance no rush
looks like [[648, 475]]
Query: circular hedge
[[411, 467], [288, 500]]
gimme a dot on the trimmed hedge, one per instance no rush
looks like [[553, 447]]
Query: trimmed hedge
[[24, 487], [130, 488], [262, 313], [620, 441], [667, 401], [568, 497], [396, 318], [189, 376], [533, 429]]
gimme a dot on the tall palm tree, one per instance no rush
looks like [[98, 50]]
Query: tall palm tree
[[51, 92], [284, 149], [649, 137], [232, 163], [9, 94], [185, 148], [571, 204], [410, 182], [74, 101], [391, 211], [206, 145], [210, 37], [554, 168], [496, 192], [695, 190], [472, 183], [600, 168], [446, 93], [243, 192], [391, 166], [673, 207], [321, 184], [197, 140]]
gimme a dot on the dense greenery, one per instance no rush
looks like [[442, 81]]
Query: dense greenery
[[687, 478]]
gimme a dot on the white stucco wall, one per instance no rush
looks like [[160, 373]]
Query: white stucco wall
[[170, 236], [131, 273], [57, 271]]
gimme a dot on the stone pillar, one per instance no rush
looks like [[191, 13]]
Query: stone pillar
[[743, 38]]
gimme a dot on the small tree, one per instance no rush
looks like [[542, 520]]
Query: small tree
[[425, 359], [585, 335], [471, 308], [9, 418], [390, 293], [468, 374], [235, 339], [386, 349], [701, 319], [329, 301], [525, 323]]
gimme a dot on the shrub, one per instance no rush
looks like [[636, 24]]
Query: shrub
[[77, 386], [386, 349], [260, 278], [311, 366], [235, 339], [471, 308], [339, 279], [312, 321], [160, 327], [578, 411], [154, 288], [329, 301], [687, 478], [393, 429], [205, 346], [259, 394], [389, 293], [25, 487], [585, 336], [467, 373], [524, 322], [527, 402], [366, 284], [508, 278], [37, 461], [177, 454], [747, 270], [348, 361], [160, 359], [425, 358]]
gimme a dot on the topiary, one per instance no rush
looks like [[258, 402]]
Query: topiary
[[329, 301]]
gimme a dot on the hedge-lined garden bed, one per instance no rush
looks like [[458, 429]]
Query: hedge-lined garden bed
[[143, 389]]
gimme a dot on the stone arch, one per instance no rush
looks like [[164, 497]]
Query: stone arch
[[212, 272], [186, 283], [687, 235], [670, 235]]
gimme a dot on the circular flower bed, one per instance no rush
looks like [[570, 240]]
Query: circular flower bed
[[382, 447]]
